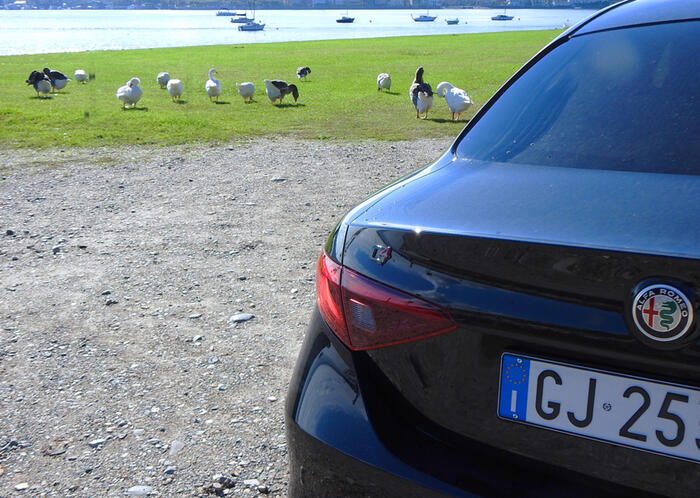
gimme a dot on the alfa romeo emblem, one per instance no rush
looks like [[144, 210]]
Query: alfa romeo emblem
[[662, 312]]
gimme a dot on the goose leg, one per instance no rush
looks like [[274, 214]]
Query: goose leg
[[453, 116], [417, 114]]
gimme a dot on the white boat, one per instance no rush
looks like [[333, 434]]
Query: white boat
[[504, 16], [251, 26], [424, 18], [452, 20], [242, 19]]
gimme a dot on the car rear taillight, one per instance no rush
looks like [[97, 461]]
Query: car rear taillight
[[365, 314]]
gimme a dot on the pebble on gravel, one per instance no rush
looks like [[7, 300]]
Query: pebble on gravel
[[139, 490], [175, 447], [194, 316], [97, 442], [252, 483], [170, 470], [241, 317], [21, 486]]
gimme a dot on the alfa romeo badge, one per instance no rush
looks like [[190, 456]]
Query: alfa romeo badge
[[662, 312]]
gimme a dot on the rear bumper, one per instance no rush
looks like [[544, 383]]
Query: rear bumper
[[350, 434], [333, 447]]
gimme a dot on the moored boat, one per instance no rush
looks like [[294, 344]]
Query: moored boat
[[251, 26], [452, 20], [345, 19], [424, 18]]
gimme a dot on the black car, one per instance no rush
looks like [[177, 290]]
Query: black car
[[518, 318]]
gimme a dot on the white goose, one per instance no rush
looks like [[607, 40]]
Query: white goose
[[175, 89], [246, 90], [213, 86], [163, 79], [383, 82], [457, 99], [130, 93], [80, 76], [421, 94]]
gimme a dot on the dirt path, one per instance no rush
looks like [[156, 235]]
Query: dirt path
[[119, 272]]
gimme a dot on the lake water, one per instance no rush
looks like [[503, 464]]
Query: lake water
[[44, 31]]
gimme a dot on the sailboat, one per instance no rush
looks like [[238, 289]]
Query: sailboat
[[425, 17], [504, 16], [346, 19]]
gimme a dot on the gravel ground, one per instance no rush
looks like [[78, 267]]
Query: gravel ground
[[122, 368]]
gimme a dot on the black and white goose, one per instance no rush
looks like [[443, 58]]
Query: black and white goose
[[421, 94], [277, 89], [57, 78], [303, 72], [40, 82]]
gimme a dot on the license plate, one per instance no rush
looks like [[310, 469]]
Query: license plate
[[630, 411]]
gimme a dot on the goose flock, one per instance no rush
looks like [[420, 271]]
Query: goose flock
[[420, 92]]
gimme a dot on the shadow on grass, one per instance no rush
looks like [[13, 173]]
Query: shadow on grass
[[246, 102], [136, 108], [391, 93], [284, 106], [179, 101], [221, 102], [39, 97], [442, 120]]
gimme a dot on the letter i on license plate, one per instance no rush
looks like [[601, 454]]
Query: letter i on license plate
[[631, 411]]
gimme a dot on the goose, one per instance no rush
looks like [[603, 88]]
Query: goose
[[246, 90], [175, 89], [213, 86], [457, 99], [40, 82], [163, 79], [383, 81], [57, 78], [303, 72], [421, 94], [277, 89], [130, 93], [80, 76]]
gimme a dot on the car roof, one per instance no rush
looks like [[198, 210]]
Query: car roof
[[636, 12]]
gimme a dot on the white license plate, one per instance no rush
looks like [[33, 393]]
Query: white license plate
[[630, 411]]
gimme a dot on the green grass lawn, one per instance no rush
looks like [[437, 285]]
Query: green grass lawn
[[339, 100]]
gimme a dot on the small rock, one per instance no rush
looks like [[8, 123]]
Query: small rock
[[175, 447], [195, 316], [241, 317], [82, 246], [213, 360], [170, 470], [56, 249], [139, 490], [9, 232], [252, 483], [153, 441], [279, 179], [110, 302], [271, 398], [21, 486], [97, 442], [138, 432], [263, 489], [106, 293]]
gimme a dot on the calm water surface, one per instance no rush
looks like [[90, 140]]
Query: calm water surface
[[44, 31]]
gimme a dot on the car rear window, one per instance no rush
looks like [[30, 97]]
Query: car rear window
[[625, 99]]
